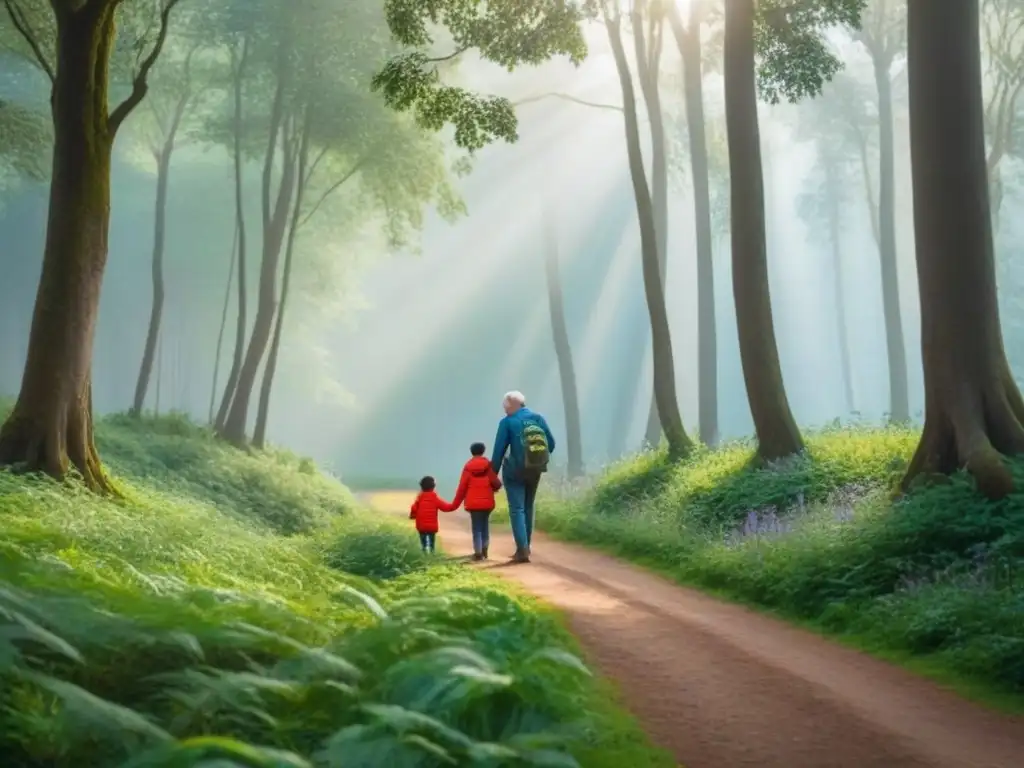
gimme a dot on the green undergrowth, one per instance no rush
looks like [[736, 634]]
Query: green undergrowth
[[933, 579], [238, 609]]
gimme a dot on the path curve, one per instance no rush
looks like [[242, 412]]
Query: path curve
[[723, 687]]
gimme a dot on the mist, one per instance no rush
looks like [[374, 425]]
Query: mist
[[395, 359]]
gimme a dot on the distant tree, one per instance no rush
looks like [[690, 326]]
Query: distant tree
[[1002, 27], [173, 93], [687, 35], [821, 204], [301, 103], [974, 413], [882, 33], [563, 350], [51, 426], [666, 397], [795, 62]]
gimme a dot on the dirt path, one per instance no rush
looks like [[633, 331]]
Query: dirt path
[[723, 687]]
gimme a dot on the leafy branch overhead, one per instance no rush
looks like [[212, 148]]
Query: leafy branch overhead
[[510, 33]]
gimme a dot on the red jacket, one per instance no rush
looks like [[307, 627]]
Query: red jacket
[[477, 486], [424, 511]]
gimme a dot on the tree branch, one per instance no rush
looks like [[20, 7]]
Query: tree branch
[[140, 85], [21, 24], [453, 55], [566, 97], [336, 185]]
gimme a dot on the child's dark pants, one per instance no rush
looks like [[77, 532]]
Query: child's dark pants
[[481, 523], [427, 541]]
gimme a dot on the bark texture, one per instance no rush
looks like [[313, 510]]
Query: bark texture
[[679, 443], [974, 414], [50, 429], [563, 351], [689, 44], [777, 433]]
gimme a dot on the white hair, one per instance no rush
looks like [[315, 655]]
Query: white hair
[[515, 396]]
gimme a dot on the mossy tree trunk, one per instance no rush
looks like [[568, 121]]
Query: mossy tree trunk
[[689, 44], [679, 443], [50, 429], [776, 430], [239, 61], [275, 224], [563, 352], [974, 414]]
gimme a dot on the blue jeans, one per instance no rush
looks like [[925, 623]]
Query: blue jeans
[[481, 522], [427, 541], [521, 497]]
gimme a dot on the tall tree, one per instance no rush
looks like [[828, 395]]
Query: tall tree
[[795, 62], [679, 443], [974, 413], [883, 35], [51, 426], [563, 350], [239, 46], [167, 107], [688, 40]]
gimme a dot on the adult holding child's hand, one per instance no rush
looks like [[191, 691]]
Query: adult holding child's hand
[[527, 440]]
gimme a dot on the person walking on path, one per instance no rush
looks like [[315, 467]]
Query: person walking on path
[[476, 488], [525, 436], [424, 511]]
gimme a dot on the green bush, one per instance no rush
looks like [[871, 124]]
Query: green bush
[[178, 627], [935, 574], [377, 550]]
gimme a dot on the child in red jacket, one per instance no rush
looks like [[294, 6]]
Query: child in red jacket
[[424, 511], [476, 488]]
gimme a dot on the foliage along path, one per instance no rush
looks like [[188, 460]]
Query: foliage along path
[[719, 685]]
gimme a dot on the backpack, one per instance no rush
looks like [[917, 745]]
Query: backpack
[[535, 451]]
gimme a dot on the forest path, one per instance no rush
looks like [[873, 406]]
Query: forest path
[[723, 687]]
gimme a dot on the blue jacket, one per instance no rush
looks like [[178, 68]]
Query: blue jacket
[[510, 439]]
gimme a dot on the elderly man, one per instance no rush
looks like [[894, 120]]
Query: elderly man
[[525, 436]]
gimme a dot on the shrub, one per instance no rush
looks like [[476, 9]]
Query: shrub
[[376, 550]]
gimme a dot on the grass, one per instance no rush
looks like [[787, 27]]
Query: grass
[[238, 609], [932, 580]]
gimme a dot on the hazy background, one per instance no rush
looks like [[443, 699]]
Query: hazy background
[[392, 363]]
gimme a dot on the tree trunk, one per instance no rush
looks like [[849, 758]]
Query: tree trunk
[[563, 351], [974, 413], [648, 57], [777, 433], [833, 192], [899, 405], [163, 166], [50, 429], [302, 179], [275, 223], [238, 72], [223, 323], [661, 339], [689, 44]]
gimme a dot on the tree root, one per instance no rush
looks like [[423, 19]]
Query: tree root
[[973, 432]]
